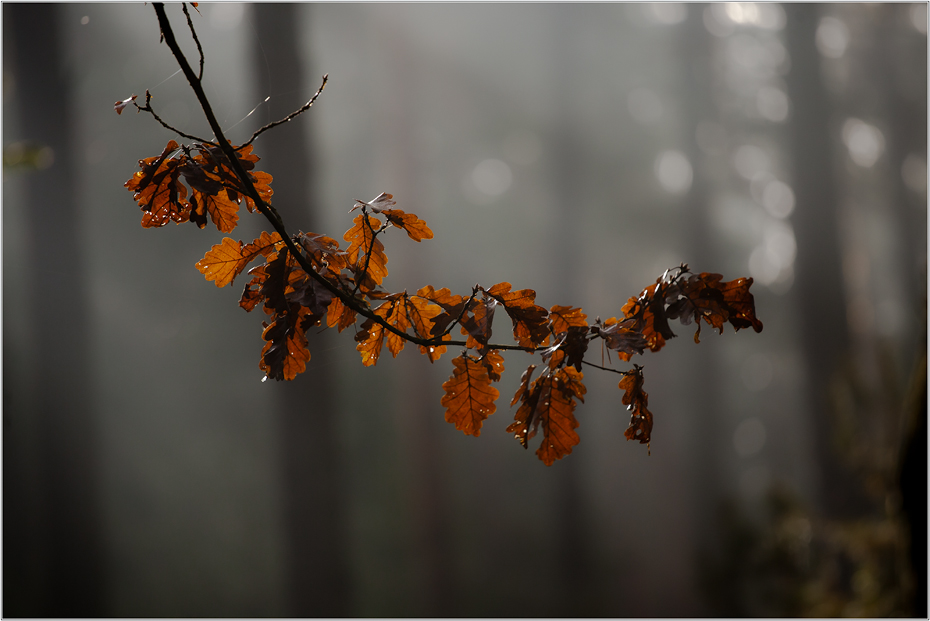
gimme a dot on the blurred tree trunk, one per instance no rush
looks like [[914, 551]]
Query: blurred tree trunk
[[702, 382], [574, 556], [52, 558], [317, 575], [905, 87], [819, 286], [905, 99], [416, 404]]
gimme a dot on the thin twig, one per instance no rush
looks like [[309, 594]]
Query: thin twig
[[374, 234], [597, 366], [190, 24], [148, 108], [269, 212], [458, 319], [290, 116]]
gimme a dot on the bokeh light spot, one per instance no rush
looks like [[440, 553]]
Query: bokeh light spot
[[914, 173], [832, 37], [865, 142], [492, 177], [673, 170]]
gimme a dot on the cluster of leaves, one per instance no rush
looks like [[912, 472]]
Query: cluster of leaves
[[308, 280]]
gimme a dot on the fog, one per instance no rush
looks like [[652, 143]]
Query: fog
[[578, 150]]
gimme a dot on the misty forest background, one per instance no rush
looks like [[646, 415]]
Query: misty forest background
[[578, 150]]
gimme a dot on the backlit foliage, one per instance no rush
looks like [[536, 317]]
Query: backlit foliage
[[305, 281]]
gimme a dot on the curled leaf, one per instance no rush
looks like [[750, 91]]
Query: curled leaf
[[119, 105]]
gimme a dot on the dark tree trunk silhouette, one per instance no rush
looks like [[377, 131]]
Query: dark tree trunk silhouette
[[317, 575], [574, 556], [702, 382], [52, 558], [818, 274], [415, 403]]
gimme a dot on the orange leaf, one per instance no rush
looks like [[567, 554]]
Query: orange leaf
[[549, 403], [530, 326], [338, 314], [524, 384], [416, 228], [223, 211], [223, 262], [397, 317], [158, 190], [366, 252], [213, 167], [262, 183], [494, 363], [636, 399], [324, 252], [226, 260], [561, 318], [451, 307], [370, 339], [476, 322], [285, 353], [646, 315], [469, 397], [265, 244], [421, 312]]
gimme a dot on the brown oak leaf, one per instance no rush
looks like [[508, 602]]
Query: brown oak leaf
[[366, 252], [636, 399], [416, 229], [549, 403], [469, 397], [530, 322], [158, 190]]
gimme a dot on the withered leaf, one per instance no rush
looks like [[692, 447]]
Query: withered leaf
[[377, 204], [636, 399], [398, 318], [119, 105], [215, 191], [524, 384], [223, 262], [273, 287], [158, 190], [370, 338], [621, 337], [324, 252], [530, 322], [302, 289], [569, 349], [705, 296], [422, 312], [451, 305], [222, 210], [476, 322], [549, 403], [338, 314], [366, 252], [285, 353], [494, 363], [646, 315], [226, 260], [416, 229], [563, 317], [469, 397]]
